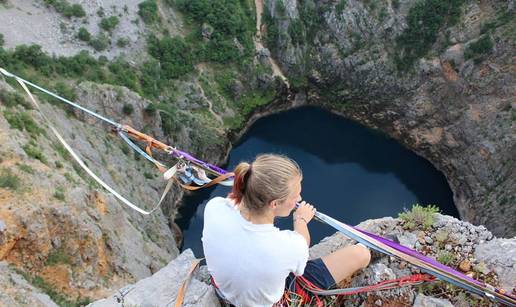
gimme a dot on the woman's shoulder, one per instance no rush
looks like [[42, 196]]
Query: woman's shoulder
[[217, 203]]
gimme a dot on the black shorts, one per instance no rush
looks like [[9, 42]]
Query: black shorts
[[316, 272]]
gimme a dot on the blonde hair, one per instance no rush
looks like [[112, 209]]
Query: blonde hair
[[266, 179]]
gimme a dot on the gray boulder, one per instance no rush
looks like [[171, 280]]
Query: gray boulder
[[161, 288]]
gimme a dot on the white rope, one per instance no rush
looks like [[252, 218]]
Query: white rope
[[82, 164]]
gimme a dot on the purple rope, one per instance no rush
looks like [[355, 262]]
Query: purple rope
[[421, 257], [178, 153]]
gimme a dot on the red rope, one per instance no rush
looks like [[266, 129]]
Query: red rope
[[383, 285]]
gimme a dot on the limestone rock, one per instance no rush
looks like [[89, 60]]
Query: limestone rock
[[161, 288], [499, 255], [16, 291], [427, 301]]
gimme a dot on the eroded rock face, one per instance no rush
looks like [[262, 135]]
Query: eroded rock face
[[60, 225], [455, 112], [16, 291]]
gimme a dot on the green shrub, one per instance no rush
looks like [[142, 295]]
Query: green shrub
[[122, 42], [272, 35], [57, 257], [11, 99], [174, 55], [26, 168], [32, 151], [280, 8], [23, 122], [150, 109], [339, 8], [59, 194], [128, 109], [419, 216], [148, 11], [230, 20], [8, 179], [295, 30], [63, 7], [109, 23], [424, 21], [396, 4], [479, 49], [2, 41], [100, 42], [84, 35], [64, 90]]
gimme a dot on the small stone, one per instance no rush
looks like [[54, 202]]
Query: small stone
[[429, 240], [448, 247], [378, 303], [402, 265], [425, 301], [470, 274], [421, 240], [465, 265]]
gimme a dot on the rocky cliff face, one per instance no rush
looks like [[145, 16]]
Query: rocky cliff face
[[454, 105], [59, 225]]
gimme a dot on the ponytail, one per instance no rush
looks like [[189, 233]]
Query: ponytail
[[264, 180]]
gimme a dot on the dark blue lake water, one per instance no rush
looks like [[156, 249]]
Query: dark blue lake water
[[350, 172]]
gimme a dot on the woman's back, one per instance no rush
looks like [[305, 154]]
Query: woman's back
[[249, 262]]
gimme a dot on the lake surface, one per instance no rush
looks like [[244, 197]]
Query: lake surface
[[349, 172]]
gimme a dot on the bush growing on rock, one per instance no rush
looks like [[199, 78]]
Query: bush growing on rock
[[23, 122], [233, 28], [122, 42], [109, 23], [128, 109], [148, 11], [479, 49], [174, 54], [33, 151], [424, 21], [63, 7], [100, 42], [8, 179], [12, 99], [419, 216], [84, 35]]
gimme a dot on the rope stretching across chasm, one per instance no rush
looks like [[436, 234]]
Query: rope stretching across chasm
[[370, 240]]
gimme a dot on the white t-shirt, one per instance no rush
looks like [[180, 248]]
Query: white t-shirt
[[249, 262]]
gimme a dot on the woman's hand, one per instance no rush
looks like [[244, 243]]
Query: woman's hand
[[304, 212]]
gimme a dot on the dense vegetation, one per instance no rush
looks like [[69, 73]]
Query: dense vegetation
[[424, 21], [148, 11], [233, 24], [65, 8], [477, 50]]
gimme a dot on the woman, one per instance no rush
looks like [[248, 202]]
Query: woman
[[247, 256]]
